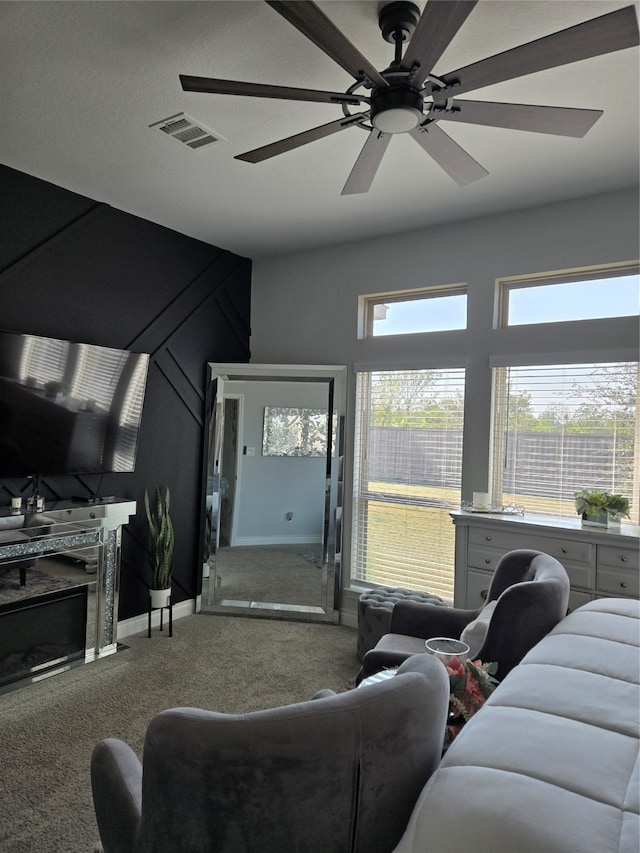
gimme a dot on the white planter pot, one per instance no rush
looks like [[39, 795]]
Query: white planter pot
[[160, 597]]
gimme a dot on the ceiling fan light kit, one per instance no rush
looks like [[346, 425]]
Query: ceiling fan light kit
[[396, 110], [407, 97]]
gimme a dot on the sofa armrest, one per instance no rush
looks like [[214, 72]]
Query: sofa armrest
[[116, 781]]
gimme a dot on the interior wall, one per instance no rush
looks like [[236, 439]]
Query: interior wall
[[272, 486], [77, 269], [305, 305]]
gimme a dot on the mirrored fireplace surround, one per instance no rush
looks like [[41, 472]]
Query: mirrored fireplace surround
[[95, 529]]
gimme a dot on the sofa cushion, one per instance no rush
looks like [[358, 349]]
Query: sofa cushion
[[550, 763]]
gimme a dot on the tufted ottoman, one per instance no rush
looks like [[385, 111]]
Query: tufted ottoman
[[374, 612]]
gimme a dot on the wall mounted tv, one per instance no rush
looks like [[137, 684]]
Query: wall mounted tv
[[68, 408]]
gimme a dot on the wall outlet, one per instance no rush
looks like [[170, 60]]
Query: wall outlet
[[289, 516]]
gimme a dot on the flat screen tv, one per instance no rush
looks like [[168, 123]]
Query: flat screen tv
[[68, 408]]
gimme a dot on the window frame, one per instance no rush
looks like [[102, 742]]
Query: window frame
[[430, 577], [505, 286], [369, 302]]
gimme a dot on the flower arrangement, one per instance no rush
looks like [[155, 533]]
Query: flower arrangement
[[595, 502], [471, 684]]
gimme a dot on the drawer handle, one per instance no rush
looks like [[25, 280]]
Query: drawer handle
[[564, 551], [623, 585], [487, 561], [623, 559], [483, 594], [487, 539]]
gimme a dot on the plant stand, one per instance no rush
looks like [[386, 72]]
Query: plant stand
[[168, 606]]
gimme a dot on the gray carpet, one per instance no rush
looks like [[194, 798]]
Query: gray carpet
[[228, 664], [38, 583], [287, 574]]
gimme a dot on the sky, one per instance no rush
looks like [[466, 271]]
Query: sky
[[582, 300]]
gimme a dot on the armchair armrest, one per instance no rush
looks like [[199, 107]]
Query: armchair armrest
[[116, 781], [417, 619]]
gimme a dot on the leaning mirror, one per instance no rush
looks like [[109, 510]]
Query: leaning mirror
[[273, 491]]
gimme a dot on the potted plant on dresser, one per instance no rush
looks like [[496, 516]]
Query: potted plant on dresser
[[161, 543], [601, 509]]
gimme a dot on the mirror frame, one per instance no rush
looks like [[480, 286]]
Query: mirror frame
[[336, 378]]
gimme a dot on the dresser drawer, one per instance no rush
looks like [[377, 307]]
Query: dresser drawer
[[577, 598], [618, 571], [613, 558], [486, 546], [618, 581], [485, 558], [477, 587]]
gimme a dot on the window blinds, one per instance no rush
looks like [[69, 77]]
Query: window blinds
[[44, 359], [408, 449], [561, 428]]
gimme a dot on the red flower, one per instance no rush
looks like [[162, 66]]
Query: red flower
[[455, 666]]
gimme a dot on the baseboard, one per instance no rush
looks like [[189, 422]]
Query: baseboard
[[348, 618], [138, 624], [295, 539]]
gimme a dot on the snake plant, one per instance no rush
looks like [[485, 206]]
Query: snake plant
[[161, 539]]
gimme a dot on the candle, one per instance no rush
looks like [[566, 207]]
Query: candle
[[16, 504], [481, 501]]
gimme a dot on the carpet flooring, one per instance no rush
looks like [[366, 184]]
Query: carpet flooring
[[286, 574], [38, 583], [227, 664]]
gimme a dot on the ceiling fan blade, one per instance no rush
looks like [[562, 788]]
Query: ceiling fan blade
[[314, 24], [260, 90], [561, 121], [436, 28], [606, 34], [365, 168], [298, 139], [448, 154]]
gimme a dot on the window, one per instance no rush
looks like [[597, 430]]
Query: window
[[45, 359], [561, 428], [435, 309], [572, 296], [407, 477]]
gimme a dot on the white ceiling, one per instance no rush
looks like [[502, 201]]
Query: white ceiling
[[82, 81]]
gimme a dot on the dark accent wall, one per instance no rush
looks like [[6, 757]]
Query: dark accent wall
[[77, 269]]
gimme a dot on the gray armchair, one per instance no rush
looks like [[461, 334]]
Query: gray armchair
[[336, 774], [528, 596]]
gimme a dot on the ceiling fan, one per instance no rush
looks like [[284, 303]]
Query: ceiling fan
[[408, 98]]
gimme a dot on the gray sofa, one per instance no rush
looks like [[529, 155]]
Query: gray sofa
[[550, 764]]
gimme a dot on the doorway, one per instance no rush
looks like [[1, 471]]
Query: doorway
[[229, 468]]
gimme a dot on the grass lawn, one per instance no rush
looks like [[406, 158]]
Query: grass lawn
[[412, 545]]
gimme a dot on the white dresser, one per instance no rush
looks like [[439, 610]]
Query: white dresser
[[599, 562]]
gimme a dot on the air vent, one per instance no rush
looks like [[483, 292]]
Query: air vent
[[187, 131]]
